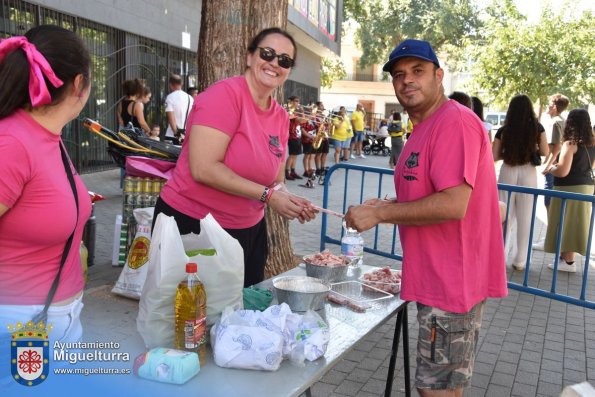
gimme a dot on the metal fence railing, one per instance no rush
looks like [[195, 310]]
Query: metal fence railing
[[348, 184], [551, 291]]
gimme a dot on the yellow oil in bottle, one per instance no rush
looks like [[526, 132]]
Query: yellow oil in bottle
[[191, 314]]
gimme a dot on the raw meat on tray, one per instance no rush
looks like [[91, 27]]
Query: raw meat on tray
[[385, 279]]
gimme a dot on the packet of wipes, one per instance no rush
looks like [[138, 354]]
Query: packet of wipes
[[167, 365]]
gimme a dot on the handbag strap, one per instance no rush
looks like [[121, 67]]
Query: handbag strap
[[187, 110], [590, 166], [42, 316]]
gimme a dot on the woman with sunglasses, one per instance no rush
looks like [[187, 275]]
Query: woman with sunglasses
[[232, 162]]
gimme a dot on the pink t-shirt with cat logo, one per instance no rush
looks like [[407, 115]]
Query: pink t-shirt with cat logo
[[456, 264], [255, 152]]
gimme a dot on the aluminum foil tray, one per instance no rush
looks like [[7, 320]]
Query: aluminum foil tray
[[361, 294]]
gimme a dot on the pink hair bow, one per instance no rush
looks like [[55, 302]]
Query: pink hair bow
[[38, 67]]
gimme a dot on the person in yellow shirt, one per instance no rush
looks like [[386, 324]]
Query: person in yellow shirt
[[408, 125], [341, 136], [396, 132], [358, 122]]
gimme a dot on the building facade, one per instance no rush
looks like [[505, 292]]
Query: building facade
[[151, 39]]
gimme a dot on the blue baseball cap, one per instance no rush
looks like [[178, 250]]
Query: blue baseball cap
[[411, 48]]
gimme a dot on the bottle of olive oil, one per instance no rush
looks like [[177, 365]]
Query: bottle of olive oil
[[191, 314]]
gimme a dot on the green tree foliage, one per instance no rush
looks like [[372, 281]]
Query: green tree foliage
[[513, 56], [447, 24], [332, 69]]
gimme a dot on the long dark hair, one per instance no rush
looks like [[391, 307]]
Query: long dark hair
[[477, 107], [578, 128], [65, 52], [520, 132], [256, 40], [133, 87]]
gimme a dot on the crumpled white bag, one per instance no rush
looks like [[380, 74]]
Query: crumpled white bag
[[250, 339], [310, 339]]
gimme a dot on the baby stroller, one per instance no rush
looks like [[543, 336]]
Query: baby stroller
[[374, 144]]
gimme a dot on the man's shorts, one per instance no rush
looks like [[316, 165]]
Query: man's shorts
[[359, 136], [294, 147], [308, 149], [446, 347], [324, 147]]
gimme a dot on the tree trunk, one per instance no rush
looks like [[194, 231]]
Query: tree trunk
[[225, 31]]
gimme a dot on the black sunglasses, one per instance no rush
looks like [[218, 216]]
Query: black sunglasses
[[268, 54]]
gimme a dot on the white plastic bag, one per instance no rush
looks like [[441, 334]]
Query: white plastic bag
[[583, 389], [134, 273], [222, 275], [250, 339], [310, 339]]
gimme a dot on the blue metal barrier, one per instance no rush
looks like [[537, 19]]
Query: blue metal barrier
[[564, 196], [383, 177], [375, 171]]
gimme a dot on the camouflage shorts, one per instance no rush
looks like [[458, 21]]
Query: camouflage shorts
[[446, 347]]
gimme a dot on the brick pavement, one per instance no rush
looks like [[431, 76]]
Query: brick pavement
[[529, 345]]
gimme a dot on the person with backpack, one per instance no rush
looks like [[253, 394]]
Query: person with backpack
[[395, 130], [177, 107]]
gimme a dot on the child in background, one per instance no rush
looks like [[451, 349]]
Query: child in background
[[155, 131]]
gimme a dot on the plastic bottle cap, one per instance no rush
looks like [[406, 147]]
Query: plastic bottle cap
[[191, 267]]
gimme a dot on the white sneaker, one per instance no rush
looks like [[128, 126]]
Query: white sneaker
[[538, 245], [361, 156], [518, 266], [352, 156], [563, 267]]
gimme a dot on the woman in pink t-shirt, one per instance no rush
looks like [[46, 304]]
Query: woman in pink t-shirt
[[45, 80], [232, 161]]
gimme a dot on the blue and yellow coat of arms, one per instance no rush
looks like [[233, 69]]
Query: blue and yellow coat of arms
[[30, 358]]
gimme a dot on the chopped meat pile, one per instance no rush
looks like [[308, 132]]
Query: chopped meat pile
[[325, 258], [385, 279]]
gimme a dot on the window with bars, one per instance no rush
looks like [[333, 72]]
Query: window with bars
[[116, 56]]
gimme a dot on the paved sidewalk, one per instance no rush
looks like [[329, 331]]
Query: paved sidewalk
[[529, 346]]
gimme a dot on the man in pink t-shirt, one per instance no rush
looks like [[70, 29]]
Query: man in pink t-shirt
[[449, 223]]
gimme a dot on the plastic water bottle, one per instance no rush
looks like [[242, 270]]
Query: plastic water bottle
[[352, 246], [191, 314]]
